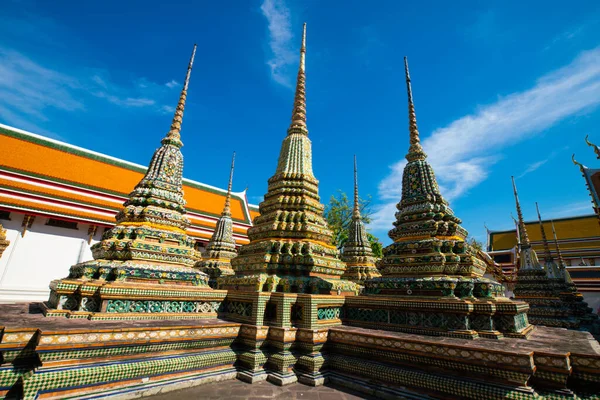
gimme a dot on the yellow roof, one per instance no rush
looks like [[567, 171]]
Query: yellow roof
[[583, 227], [45, 175]]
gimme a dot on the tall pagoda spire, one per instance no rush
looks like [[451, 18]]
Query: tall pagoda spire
[[227, 209], [290, 247], [174, 134], [356, 210], [221, 247], [357, 252], [148, 249], [415, 151], [561, 261], [298, 124], [430, 252], [295, 157], [525, 244], [551, 267]]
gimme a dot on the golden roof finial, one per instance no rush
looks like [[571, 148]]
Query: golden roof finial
[[356, 211], [596, 149], [174, 134], [522, 231], [580, 165], [298, 124], [415, 151], [227, 209]]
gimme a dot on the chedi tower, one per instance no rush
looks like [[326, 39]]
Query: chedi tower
[[290, 247], [142, 268], [432, 276]]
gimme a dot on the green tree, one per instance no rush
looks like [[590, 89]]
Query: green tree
[[338, 214], [476, 244]]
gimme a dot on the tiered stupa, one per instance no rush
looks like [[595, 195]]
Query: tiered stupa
[[290, 246], [433, 274], [221, 247], [589, 321], [3, 242], [143, 267], [553, 271], [539, 286], [357, 252]]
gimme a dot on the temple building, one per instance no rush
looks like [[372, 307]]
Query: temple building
[[357, 252], [57, 200], [577, 236]]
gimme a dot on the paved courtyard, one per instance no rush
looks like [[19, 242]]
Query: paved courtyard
[[238, 390]]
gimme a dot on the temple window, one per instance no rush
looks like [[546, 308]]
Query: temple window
[[59, 223], [5, 215]]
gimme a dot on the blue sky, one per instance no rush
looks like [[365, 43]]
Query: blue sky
[[501, 88]]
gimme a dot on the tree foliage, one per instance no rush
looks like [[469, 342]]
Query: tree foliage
[[339, 215], [476, 244]]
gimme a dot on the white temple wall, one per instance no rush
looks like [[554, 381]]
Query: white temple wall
[[45, 253]]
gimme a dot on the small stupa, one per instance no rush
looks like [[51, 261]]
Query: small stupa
[[553, 271], [143, 267], [537, 285], [290, 246], [3, 242], [357, 252], [588, 320], [430, 267], [221, 247]]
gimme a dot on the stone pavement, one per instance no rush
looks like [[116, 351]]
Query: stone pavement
[[238, 390]]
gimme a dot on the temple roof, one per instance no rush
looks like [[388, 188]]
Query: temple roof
[[45, 176], [580, 227]]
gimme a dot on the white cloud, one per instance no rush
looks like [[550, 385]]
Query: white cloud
[[167, 109], [172, 84], [533, 167], [569, 210], [29, 91], [280, 41], [463, 152]]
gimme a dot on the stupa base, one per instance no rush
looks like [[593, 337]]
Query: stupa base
[[58, 358], [263, 282], [102, 300], [472, 318]]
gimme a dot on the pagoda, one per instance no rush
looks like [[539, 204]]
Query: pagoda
[[589, 321], [553, 271], [431, 273], [539, 286], [143, 267], [357, 252], [290, 247], [3, 242], [221, 247]]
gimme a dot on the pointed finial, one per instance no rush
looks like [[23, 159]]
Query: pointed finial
[[227, 209], [356, 211], [522, 231], [298, 124], [516, 230], [580, 165], [547, 253], [596, 149], [559, 256], [415, 151], [174, 134]]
